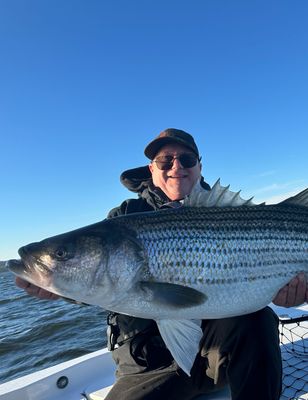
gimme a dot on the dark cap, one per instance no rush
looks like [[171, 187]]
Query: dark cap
[[167, 136]]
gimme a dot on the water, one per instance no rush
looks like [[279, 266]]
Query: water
[[36, 334]]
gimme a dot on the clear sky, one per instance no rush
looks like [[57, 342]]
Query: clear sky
[[85, 85]]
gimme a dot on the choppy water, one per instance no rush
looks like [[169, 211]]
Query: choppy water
[[36, 334]]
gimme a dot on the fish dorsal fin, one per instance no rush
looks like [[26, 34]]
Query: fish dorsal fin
[[301, 199], [218, 196]]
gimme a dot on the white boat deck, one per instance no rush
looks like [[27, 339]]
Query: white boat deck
[[90, 377]]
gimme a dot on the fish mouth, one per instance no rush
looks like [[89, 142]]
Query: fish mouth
[[15, 266], [20, 269], [30, 269]]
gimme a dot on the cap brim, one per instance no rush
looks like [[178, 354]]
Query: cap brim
[[153, 147]]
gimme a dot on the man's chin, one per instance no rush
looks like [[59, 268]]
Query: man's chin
[[176, 194]]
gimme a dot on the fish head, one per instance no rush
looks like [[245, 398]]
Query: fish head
[[87, 265]]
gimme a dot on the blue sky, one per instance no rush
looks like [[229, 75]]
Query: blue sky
[[85, 85]]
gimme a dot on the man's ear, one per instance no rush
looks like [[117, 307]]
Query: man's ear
[[151, 167]]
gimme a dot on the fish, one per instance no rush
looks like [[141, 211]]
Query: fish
[[217, 256]]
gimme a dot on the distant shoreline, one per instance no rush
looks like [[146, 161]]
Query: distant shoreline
[[2, 266]]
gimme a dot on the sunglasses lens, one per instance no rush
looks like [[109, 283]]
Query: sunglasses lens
[[186, 160], [164, 162]]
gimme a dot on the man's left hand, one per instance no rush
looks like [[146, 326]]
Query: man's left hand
[[294, 293]]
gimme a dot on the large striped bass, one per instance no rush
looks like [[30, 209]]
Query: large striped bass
[[217, 256]]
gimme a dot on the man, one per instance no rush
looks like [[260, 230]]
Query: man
[[241, 351]]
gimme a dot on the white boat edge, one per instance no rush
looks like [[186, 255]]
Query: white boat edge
[[90, 377]]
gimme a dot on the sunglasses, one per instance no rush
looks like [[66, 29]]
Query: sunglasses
[[187, 160]]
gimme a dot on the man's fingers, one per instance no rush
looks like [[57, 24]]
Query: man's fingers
[[45, 295], [35, 291], [281, 297], [293, 294], [301, 289], [21, 283]]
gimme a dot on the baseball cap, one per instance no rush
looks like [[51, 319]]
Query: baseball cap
[[170, 135]]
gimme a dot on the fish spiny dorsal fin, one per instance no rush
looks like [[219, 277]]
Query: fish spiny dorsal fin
[[218, 196], [301, 199]]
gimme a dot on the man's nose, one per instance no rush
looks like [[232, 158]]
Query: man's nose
[[176, 163]]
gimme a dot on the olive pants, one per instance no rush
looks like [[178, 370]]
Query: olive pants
[[240, 351]]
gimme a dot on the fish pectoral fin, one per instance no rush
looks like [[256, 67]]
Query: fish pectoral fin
[[172, 295], [182, 338]]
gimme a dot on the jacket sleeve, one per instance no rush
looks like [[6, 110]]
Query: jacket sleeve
[[115, 212], [128, 207]]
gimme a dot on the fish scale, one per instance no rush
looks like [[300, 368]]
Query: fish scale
[[217, 256], [236, 247]]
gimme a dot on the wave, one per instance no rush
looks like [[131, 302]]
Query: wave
[[36, 334]]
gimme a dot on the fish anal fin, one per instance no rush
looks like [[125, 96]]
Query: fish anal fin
[[182, 338]]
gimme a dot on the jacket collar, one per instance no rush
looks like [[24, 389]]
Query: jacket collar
[[139, 180]]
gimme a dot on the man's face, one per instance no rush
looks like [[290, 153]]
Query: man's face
[[176, 182]]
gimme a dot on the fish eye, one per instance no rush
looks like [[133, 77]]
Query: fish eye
[[60, 253]]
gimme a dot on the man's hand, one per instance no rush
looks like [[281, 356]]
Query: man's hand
[[294, 293], [35, 291]]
